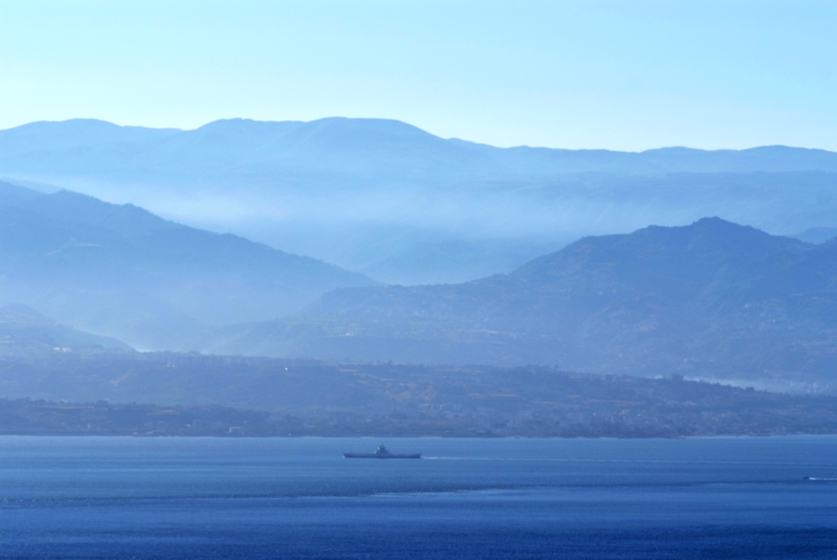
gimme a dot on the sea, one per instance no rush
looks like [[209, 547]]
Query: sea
[[242, 498]]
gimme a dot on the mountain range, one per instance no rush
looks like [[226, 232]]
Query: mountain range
[[516, 250], [404, 206], [336, 145], [121, 271], [712, 300]]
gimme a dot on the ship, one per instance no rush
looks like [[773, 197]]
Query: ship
[[381, 453]]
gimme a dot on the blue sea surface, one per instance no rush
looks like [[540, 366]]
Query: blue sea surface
[[163, 498]]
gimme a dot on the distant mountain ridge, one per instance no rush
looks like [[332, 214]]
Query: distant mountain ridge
[[122, 271], [713, 300], [358, 144], [391, 200], [817, 235]]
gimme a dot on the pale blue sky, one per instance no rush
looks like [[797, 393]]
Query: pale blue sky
[[624, 75]]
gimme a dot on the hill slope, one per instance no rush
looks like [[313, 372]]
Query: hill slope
[[26, 333], [307, 397], [122, 271], [712, 299]]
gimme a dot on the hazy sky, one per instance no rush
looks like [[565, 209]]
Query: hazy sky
[[577, 74]]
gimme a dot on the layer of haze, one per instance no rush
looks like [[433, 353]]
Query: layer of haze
[[575, 74]]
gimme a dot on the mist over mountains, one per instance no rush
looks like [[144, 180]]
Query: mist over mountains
[[121, 271], [710, 300], [405, 206], [26, 333]]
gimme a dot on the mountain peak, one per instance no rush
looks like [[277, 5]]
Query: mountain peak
[[48, 136], [238, 125], [728, 233], [381, 137], [370, 124], [714, 226], [698, 250]]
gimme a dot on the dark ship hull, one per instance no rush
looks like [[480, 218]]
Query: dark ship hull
[[381, 453], [380, 456]]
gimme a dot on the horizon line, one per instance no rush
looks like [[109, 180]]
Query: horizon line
[[405, 123]]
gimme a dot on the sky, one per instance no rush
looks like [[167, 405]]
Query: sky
[[624, 75]]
